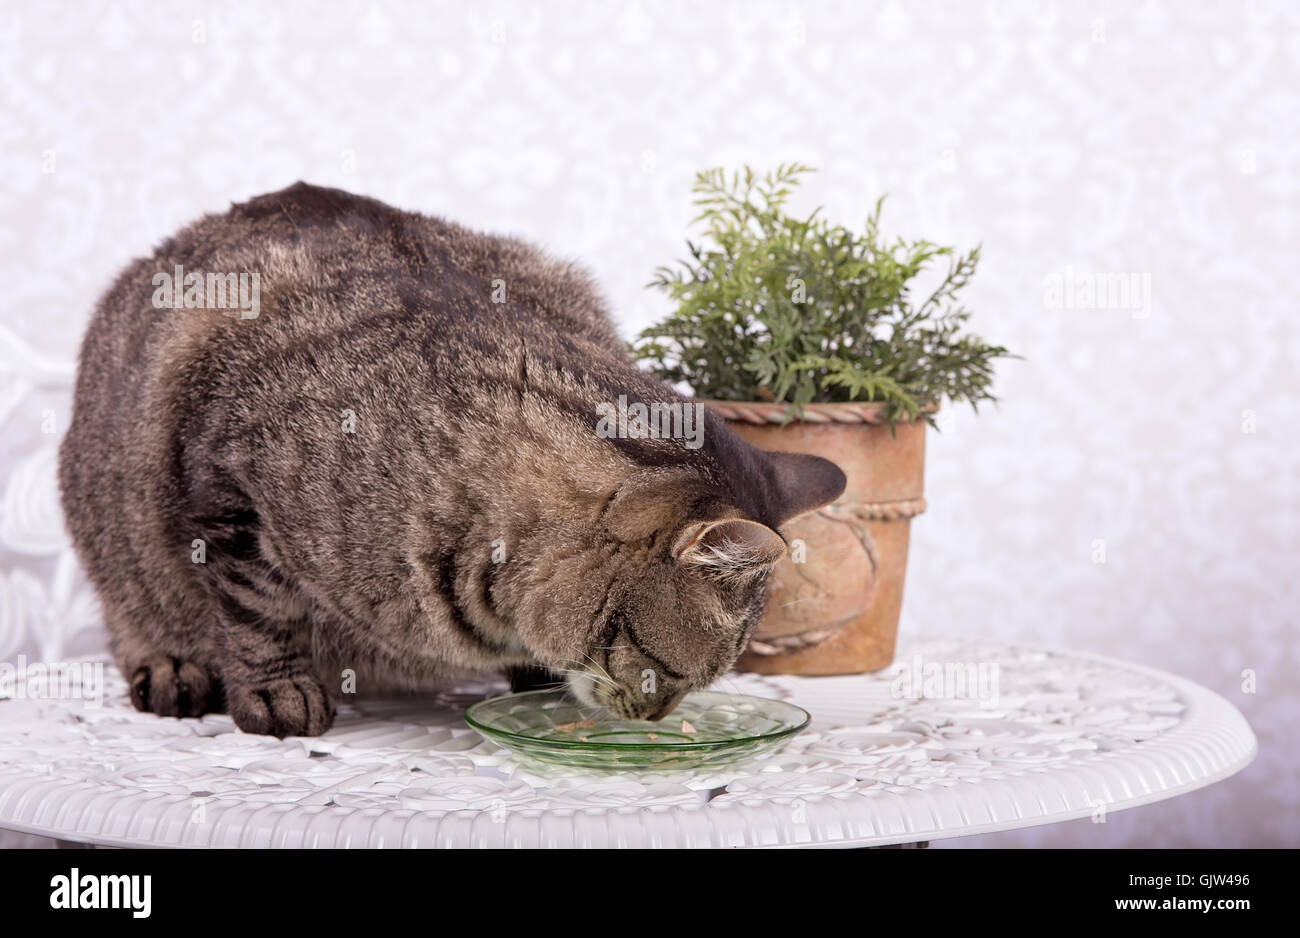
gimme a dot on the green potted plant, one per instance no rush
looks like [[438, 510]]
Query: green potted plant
[[807, 337]]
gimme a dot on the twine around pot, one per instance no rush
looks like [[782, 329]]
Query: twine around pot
[[872, 412]]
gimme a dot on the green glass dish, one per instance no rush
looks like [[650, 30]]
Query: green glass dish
[[550, 726]]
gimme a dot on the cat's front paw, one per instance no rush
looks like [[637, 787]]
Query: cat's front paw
[[171, 687], [297, 705]]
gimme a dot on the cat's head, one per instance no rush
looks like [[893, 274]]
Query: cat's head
[[679, 577]]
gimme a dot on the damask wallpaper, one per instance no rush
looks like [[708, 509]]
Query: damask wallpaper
[[1132, 171]]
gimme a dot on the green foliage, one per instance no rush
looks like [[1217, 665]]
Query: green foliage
[[778, 308]]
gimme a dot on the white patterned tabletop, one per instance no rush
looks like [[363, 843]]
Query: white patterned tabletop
[[1036, 736]]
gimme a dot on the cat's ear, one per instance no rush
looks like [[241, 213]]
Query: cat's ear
[[649, 501], [729, 547], [804, 483]]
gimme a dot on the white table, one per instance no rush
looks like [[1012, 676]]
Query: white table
[[1071, 735]]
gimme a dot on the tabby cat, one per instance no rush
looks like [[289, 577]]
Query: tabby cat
[[389, 472]]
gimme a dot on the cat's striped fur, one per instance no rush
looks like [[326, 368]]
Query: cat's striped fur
[[465, 516]]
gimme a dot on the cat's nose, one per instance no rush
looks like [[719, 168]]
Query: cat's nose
[[667, 707]]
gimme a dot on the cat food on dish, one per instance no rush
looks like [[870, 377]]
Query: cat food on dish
[[717, 729]]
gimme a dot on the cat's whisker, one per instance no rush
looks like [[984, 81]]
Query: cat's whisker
[[585, 672], [600, 677], [599, 680], [597, 665]]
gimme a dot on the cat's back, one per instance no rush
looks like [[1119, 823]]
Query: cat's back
[[325, 259], [326, 278], [442, 273]]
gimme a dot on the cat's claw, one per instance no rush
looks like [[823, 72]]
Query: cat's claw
[[292, 706], [171, 687]]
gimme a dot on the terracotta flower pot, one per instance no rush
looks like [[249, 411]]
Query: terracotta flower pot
[[835, 598]]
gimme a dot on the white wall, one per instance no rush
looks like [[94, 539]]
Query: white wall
[[1153, 138]]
